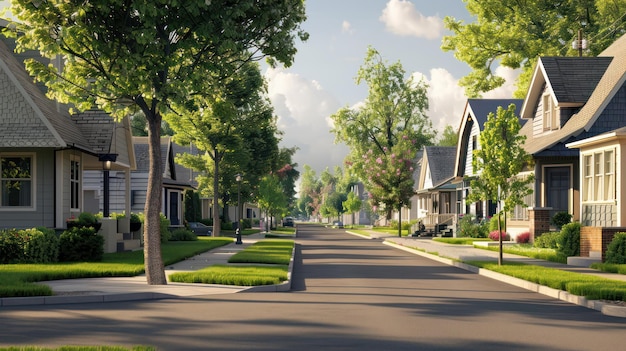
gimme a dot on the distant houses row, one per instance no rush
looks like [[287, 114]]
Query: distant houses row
[[574, 120]]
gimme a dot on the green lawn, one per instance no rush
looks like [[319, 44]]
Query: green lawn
[[274, 253], [591, 287], [17, 279]]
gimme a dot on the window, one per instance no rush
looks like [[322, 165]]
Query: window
[[550, 117], [75, 184], [599, 176], [16, 180]]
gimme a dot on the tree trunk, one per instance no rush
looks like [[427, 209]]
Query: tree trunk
[[400, 222], [216, 207], [155, 272]]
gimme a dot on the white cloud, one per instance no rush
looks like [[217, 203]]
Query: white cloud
[[508, 88], [346, 27], [402, 18], [446, 99], [303, 108]]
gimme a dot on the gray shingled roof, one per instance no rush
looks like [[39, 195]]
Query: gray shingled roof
[[441, 161], [97, 126], [179, 175], [611, 81], [573, 79], [28, 118], [481, 108]]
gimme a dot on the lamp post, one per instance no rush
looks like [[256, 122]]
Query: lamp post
[[106, 160], [238, 178]]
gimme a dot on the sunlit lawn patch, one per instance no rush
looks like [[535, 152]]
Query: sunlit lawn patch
[[17, 279], [234, 275], [274, 251]]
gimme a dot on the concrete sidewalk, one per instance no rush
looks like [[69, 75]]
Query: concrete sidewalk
[[90, 290], [455, 255]]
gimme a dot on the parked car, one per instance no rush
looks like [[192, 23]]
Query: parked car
[[288, 222], [337, 224], [200, 228]]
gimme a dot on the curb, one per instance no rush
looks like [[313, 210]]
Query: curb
[[73, 299], [282, 287], [605, 308]]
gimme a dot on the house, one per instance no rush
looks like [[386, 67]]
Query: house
[[472, 124], [435, 193], [44, 151], [571, 99]]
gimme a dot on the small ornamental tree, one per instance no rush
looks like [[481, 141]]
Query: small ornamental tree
[[498, 162], [390, 176]]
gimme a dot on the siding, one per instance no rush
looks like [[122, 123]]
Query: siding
[[43, 212]]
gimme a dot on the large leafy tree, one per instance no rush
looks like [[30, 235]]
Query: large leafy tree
[[395, 110], [140, 54], [498, 162], [309, 201], [514, 33], [220, 123], [271, 197], [449, 137]]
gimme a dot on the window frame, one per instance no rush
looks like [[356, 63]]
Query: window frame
[[599, 174], [75, 183], [32, 179]]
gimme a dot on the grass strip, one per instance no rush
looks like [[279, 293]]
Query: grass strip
[[271, 251], [591, 287], [460, 241], [78, 348], [610, 267], [234, 275], [17, 280], [528, 250]]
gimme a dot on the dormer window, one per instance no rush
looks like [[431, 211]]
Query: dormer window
[[550, 114]]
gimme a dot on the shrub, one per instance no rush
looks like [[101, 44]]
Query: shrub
[[547, 240], [523, 238], [80, 244], [227, 226], [469, 228], [493, 223], [495, 236], [560, 219], [41, 245], [616, 251], [182, 234], [11, 246], [568, 243], [87, 219], [164, 228], [246, 223]]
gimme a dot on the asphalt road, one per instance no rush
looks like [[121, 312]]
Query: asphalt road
[[348, 293]]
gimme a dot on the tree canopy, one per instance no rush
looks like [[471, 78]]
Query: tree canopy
[[138, 54], [499, 161], [515, 33], [385, 133]]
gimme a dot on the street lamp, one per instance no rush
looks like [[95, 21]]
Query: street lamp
[[106, 160], [238, 178]]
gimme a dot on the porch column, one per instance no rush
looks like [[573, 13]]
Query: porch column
[[539, 218]]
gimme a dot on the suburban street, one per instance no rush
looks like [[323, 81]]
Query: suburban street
[[348, 293]]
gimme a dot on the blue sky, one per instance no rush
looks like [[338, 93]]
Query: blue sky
[[321, 80]]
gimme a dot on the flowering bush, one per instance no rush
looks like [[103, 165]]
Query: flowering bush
[[523, 238], [389, 173], [495, 236]]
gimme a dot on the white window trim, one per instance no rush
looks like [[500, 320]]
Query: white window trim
[[598, 179], [551, 114], [33, 180], [80, 182]]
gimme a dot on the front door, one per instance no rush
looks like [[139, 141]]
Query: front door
[[174, 208], [557, 189]]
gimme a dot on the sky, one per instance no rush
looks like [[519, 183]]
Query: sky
[[321, 79]]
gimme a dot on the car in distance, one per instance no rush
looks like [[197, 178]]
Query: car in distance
[[200, 228], [288, 222]]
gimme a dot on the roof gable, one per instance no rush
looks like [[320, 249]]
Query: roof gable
[[609, 84], [437, 165], [31, 119]]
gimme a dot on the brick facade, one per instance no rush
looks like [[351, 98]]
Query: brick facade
[[539, 218], [597, 239]]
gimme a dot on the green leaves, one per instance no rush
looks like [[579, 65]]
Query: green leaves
[[500, 160]]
